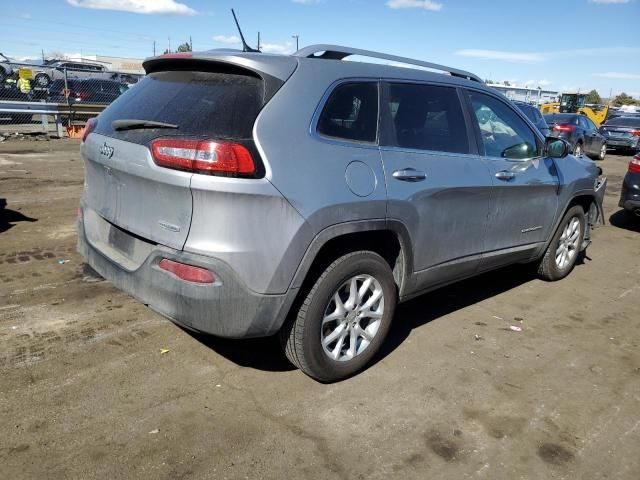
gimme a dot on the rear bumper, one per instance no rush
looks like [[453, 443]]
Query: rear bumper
[[225, 308], [632, 143], [630, 194]]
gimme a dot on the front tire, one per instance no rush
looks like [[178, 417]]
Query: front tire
[[564, 248], [344, 319]]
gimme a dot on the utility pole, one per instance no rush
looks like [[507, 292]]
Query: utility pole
[[43, 60], [169, 41], [154, 48], [297, 37], [190, 43], [258, 40]]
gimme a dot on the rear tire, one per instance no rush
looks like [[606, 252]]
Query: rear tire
[[42, 80], [603, 152], [344, 318], [564, 248], [577, 150]]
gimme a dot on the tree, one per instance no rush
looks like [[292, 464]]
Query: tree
[[593, 97], [185, 47], [624, 99]]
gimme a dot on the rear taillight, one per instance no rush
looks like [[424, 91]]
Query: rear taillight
[[203, 156], [635, 133], [83, 95], [188, 273], [564, 127], [89, 127], [634, 164]]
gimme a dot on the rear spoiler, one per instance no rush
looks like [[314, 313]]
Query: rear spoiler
[[274, 70]]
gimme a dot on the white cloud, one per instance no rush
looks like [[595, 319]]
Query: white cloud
[[424, 4], [164, 7], [521, 57], [537, 83], [281, 48], [609, 2], [620, 75], [230, 40]]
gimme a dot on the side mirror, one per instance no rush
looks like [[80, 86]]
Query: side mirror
[[556, 147]]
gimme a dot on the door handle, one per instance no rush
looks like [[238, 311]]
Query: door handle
[[409, 175], [505, 175]]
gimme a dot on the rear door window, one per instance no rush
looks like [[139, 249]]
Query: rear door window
[[427, 117], [202, 104], [351, 113]]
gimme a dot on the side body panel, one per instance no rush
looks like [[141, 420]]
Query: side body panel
[[328, 182], [446, 214]]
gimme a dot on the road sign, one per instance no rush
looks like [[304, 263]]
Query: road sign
[[25, 73]]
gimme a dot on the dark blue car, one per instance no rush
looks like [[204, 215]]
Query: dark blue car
[[630, 195], [535, 116]]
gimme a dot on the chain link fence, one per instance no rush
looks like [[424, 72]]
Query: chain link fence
[[74, 90]]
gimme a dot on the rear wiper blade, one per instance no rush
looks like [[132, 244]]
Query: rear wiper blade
[[140, 124]]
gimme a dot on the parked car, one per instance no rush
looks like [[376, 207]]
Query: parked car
[[622, 133], [535, 116], [311, 213], [6, 69], [580, 132], [630, 195], [77, 70], [87, 91]]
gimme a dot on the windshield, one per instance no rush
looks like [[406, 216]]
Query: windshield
[[572, 101]]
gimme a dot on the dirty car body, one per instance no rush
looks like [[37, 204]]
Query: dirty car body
[[329, 157]]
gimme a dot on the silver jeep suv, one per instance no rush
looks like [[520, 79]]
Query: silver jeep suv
[[245, 195]]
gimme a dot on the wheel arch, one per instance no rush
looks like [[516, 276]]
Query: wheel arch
[[585, 199], [388, 238]]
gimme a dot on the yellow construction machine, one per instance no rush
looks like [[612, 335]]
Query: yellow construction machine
[[575, 103]]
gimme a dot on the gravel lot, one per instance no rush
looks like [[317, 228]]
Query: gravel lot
[[85, 391]]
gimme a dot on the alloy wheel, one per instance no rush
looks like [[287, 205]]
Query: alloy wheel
[[352, 318], [568, 244], [577, 151]]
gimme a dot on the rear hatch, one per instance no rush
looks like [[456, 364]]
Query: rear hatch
[[560, 124], [621, 129], [124, 185]]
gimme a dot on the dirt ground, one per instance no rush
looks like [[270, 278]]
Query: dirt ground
[[85, 391]]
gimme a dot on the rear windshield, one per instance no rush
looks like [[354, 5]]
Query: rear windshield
[[202, 104], [561, 117], [58, 85], [625, 121]]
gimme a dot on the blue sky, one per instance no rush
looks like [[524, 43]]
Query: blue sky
[[558, 44]]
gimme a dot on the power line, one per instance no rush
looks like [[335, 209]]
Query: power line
[[49, 22]]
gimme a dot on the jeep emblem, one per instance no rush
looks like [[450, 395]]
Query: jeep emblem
[[106, 150]]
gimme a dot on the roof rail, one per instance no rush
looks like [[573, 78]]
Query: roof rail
[[336, 52]]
